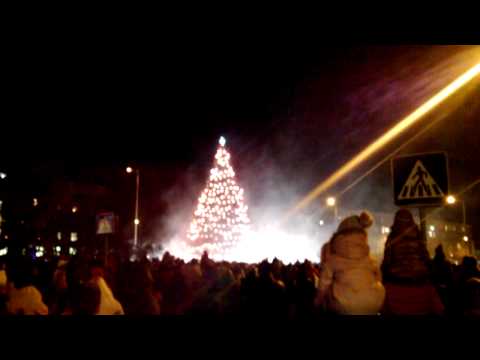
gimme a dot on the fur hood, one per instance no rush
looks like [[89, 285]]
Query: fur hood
[[351, 246]]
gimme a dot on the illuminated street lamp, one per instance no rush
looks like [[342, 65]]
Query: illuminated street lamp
[[136, 220], [451, 200], [3, 175], [332, 202]]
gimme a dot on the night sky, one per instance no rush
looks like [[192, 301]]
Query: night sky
[[292, 114]]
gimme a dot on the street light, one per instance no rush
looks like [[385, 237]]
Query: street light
[[332, 202], [451, 200], [3, 175], [136, 220]]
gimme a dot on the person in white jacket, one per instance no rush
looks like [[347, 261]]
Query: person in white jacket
[[109, 305], [350, 280], [23, 297], [26, 301]]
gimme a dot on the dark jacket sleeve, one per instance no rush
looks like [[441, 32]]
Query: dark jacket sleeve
[[387, 257]]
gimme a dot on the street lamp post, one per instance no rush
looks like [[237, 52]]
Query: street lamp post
[[136, 221], [451, 200], [332, 202]]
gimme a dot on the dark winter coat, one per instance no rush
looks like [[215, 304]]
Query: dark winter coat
[[404, 299], [406, 259]]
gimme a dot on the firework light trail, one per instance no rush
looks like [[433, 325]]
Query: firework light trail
[[390, 135]]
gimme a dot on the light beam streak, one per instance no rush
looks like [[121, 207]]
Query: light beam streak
[[391, 134]]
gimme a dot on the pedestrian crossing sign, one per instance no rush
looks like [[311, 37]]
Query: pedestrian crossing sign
[[105, 223], [420, 179]]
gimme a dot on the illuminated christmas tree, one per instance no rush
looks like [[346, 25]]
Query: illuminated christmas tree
[[221, 217]]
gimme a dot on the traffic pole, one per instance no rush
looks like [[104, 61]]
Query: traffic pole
[[423, 223]]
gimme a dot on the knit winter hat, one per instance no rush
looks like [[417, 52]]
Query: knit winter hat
[[355, 222]]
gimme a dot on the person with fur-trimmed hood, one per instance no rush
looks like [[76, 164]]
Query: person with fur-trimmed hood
[[405, 255], [350, 280]]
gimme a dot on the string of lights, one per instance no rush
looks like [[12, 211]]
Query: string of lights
[[221, 217]]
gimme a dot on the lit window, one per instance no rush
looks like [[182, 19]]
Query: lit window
[[446, 227], [39, 251], [432, 228], [57, 250], [74, 237], [72, 251], [59, 235], [385, 230], [35, 202], [4, 251], [74, 209], [465, 238]]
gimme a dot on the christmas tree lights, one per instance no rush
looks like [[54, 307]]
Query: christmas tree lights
[[221, 216]]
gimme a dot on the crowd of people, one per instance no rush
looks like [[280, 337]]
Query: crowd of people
[[347, 281]]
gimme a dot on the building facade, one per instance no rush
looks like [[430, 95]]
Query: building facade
[[60, 221]]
